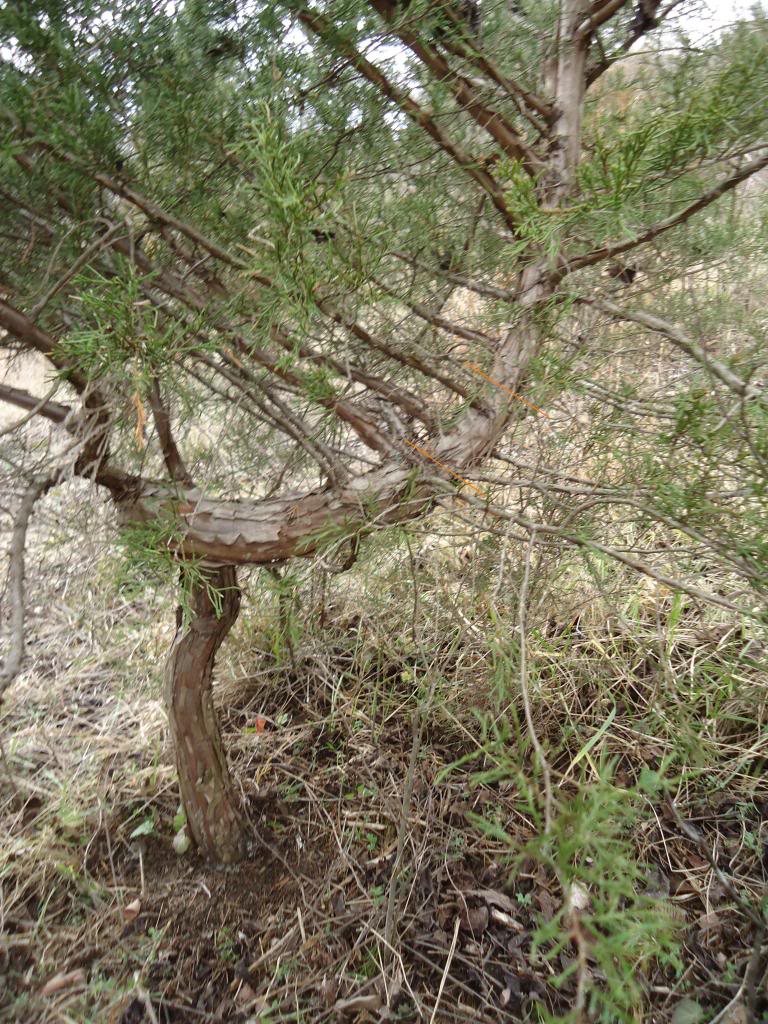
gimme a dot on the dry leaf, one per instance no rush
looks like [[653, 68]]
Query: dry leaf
[[63, 980], [494, 898], [131, 910], [261, 724], [329, 988], [474, 919], [578, 897], [370, 1002], [506, 919], [141, 419]]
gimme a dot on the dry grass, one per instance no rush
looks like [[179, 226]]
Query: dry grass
[[376, 891]]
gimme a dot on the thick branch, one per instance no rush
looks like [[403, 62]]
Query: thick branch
[[533, 107], [411, 404], [95, 449], [36, 406], [31, 336], [286, 421], [648, 16], [570, 84]]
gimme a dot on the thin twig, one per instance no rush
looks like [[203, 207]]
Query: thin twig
[[447, 968]]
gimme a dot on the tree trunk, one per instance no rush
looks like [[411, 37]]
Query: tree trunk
[[214, 821]]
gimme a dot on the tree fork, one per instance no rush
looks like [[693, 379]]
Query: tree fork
[[214, 820]]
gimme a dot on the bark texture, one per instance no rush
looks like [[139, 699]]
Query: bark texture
[[214, 820]]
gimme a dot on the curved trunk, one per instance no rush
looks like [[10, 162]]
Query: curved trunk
[[214, 821]]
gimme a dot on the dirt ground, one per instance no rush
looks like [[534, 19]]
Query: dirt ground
[[385, 880]]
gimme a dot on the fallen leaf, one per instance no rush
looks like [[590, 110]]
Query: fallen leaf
[[131, 910], [63, 980], [494, 898], [506, 919], [261, 724], [473, 919], [355, 1003]]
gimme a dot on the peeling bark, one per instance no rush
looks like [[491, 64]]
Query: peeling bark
[[214, 820]]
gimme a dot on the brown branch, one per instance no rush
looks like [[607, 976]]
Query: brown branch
[[170, 285], [411, 404], [95, 450], [465, 93], [647, 18], [171, 455], [284, 419], [15, 656], [32, 337], [599, 13], [489, 291], [175, 287], [147, 206], [320, 26], [467, 49], [588, 259], [36, 406], [30, 214], [426, 314], [78, 264], [406, 358]]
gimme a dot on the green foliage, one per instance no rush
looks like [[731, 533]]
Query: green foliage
[[621, 929], [608, 929], [120, 334], [148, 558]]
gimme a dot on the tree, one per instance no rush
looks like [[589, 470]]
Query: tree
[[256, 221]]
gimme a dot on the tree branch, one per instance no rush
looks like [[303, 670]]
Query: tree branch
[[465, 93], [15, 656], [588, 259], [687, 344], [322, 28], [171, 455], [647, 17], [36, 406]]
